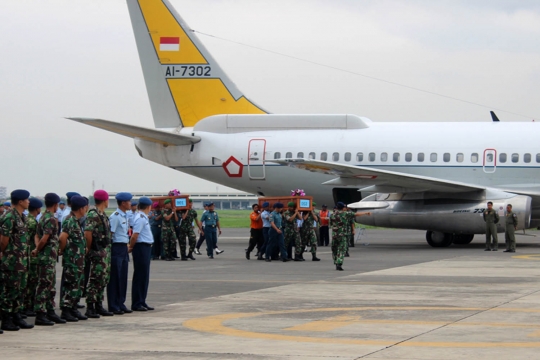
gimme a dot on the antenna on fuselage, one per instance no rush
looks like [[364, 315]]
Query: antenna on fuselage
[[494, 117]]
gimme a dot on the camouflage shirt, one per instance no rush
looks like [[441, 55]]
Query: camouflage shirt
[[48, 225], [309, 222], [341, 223], [289, 226], [15, 256], [31, 224], [188, 221], [168, 224], [76, 243], [98, 223]]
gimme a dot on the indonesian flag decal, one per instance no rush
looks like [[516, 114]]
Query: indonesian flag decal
[[169, 44]]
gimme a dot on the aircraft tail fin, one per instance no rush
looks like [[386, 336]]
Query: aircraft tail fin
[[184, 83]]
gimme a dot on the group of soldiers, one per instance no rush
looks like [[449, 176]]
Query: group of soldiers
[[275, 232]]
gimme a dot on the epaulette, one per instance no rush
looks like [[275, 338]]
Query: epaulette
[[116, 213], [141, 215]]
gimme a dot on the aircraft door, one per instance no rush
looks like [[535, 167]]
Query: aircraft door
[[490, 161], [256, 157]]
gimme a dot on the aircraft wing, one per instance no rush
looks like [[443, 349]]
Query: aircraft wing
[[375, 180], [157, 136]]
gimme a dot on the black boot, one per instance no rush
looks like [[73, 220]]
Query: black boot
[[7, 323], [302, 257], [101, 310], [76, 313], [297, 258], [190, 256], [184, 257], [91, 311], [19, 321], [346, 254], [67, 315], [314, 257], [338, 267], [51, 315], [41, 319], [260, 257], [247, 254]]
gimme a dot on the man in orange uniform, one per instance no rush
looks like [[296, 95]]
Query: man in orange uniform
[[324, 215], [256, 237]]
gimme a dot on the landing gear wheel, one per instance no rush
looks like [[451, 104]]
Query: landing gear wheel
[[438, 239], [463, 239]]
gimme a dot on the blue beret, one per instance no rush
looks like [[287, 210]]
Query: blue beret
[[123, 196], [36, 203], [145, 201], [71, 194], [209, 203], [52, 198], [265, 204], [17, 195], [340, 205], [7, 203], [278, 205], [134, 203], [62, 203], [78, 201]]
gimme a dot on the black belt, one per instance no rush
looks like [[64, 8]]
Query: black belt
[[124, 244], [145, 244]]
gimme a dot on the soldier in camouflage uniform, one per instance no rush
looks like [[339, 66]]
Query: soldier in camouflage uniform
[[98, 245], [14, 263], [340, 222], [32, 281], [307, 234], [73, 250], [186, 229], [292, 236], [168, 236], [46, 252], [511, 227]]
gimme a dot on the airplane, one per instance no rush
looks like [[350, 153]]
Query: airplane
[[435, 176]]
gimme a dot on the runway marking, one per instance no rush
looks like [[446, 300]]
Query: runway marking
[[215, 325], [527, 257]]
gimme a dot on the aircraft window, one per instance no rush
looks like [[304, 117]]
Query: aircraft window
[[324, 156], [474, 157], [433, 157], [460, 157], [538, 158], [446, 157], [300, 155], [360, 157], [371, 157], [347, 156], [502, 158], [527, 158], [312, 155], [335, 156], [396, 157], [489, 158], [515, 158], [288, 155], [408, 157], [277, 155], [420, 157], [384, 157]]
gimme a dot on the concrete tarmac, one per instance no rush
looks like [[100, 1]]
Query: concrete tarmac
[[398, 298]]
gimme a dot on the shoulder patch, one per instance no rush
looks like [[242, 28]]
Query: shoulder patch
[[514, 215], [116, 213], [141, 215]]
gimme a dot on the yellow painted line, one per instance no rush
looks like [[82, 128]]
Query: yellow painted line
[[527, 257], [214, 324], [329, 324]]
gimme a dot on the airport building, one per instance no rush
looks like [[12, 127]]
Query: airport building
[[3, 192]]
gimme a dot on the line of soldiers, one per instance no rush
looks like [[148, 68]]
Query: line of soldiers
[[277, 232]]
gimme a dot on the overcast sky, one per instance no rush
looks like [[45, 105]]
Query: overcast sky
[[79, 58]]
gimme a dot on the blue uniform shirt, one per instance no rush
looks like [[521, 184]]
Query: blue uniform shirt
[[266, 218], [210, 218], [152, 216], [130, 216], [276, 218], [141, 226], [119, 227]]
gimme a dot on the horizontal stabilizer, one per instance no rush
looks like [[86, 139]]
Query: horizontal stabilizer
[[136, 132]]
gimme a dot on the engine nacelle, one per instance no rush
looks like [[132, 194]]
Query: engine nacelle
[[444, 215]]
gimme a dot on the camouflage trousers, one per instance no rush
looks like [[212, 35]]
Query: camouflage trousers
[[72, 287], [292, 238], [11, 291], [98, 278], [310, 239], [192, 240], [31, 285], [339, 247], [168, 237], [46, 286]]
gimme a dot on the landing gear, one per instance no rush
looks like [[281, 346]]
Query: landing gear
[[439, 239], [463, 239]]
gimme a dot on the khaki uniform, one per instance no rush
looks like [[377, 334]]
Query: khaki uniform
[[491, 218], [509, 234]]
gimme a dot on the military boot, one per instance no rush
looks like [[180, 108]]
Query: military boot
[[67, 315], [75, 312], [91, 311], [30, 313], [338, 267], [41, 319], [51, 315], [297, 258], [19, 321], [190, 256], [101, 310], [260, 257], [183, 254], [7, 323], [314, 257]]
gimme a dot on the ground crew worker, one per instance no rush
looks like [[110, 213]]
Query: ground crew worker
[[168, 235], [13, 267], [256, 232], [117, 286], [511, 227], [156, 220], [189, 217], [46, 252], [211, 229], [324, 216], [291, 232], [140, 246], [31, 284], [491, 218], [307, 234], [98, 245], [73, 251]]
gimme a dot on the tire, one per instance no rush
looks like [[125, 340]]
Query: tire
[[463, 239], [438, 239]]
